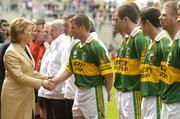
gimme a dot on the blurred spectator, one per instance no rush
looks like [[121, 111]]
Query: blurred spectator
[[3, 48], [99, 19], [112, 52], [4, 30]]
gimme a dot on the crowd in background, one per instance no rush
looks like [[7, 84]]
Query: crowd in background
[[98, 10], [145, 64]]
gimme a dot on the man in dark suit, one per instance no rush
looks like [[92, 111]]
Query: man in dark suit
[[3, 48]]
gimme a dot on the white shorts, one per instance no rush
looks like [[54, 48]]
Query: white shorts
[[119, 105], [150, 107], [170, 111], [90, 102], [131, 105]]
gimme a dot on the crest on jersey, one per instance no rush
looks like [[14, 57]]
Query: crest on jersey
[[151, 58], [84, 56], [121, 49], [169, 58], [128, 52], [75, 54]]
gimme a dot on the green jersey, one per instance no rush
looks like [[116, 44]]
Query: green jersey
[[118, 63], [150, 85], [135, 50], [170, 73], [89, 62]]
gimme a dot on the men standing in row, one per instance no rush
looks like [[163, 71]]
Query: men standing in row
[[133, 52], [4, 30], [170, 73], [92, 69], [150, 84], [57, 58], [118, 60]]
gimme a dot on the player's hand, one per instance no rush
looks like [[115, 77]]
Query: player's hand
[[48, 85], [109, 94]]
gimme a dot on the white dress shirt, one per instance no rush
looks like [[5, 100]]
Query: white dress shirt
[[43, 69], [70, 88], [55, 64]]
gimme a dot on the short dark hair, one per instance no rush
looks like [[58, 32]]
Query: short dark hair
[[39, 22], [2, 21], [92, 28], [128, 10], [152, 15], [136, 6], [82, 20], [68, 17]]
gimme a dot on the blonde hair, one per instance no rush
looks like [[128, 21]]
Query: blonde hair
[[172, 5], [17, 28], [178, 6], [58, 24]]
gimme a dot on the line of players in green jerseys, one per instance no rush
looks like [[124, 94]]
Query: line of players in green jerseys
[[147, 66]]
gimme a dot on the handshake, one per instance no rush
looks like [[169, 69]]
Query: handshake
[[49, 84]]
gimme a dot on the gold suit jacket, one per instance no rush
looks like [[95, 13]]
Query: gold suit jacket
[[17, 99]]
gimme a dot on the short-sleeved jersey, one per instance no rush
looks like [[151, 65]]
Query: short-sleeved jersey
[[89, 62], [135, 50], [150, 85], [170, 74], [118, 63]]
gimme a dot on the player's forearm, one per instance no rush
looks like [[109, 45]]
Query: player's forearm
[[108, 81], [61, 77]]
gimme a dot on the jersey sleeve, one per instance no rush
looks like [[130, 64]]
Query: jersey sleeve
[[141, 45], [69, 65], [178, 49], [102, 59], [164, 45], [68, 68]]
